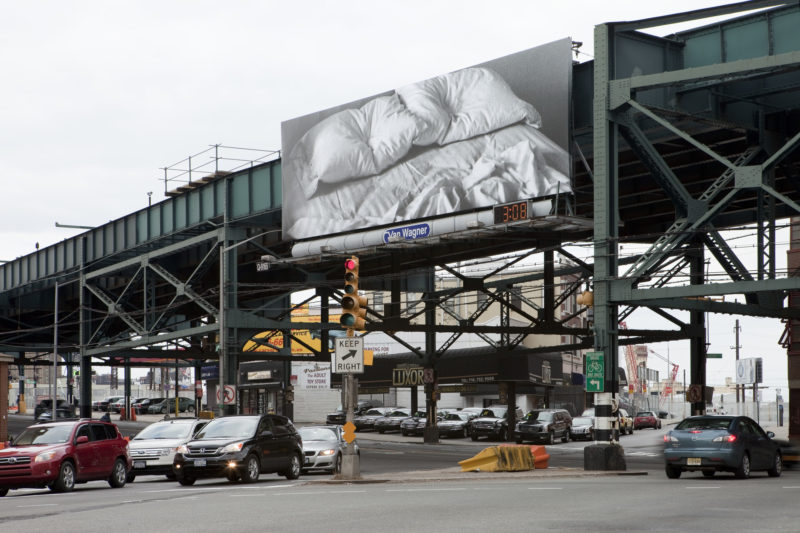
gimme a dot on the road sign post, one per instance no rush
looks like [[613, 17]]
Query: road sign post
[[348, 360]]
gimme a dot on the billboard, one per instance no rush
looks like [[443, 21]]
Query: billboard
[[489, 134]]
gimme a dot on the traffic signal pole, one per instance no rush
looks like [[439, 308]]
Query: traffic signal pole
[[354, 310]]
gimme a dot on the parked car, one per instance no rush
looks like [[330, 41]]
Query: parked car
[[153, 449], [624, 422], [43, 409], [339, 417], [167, 405], [582, 428], [455, 424], [140, 406], [646, 419], [103, 404], [544, 425], [721, 443], [391, 421], [59, 454], [415, 424], [323, 447], [241, 447], [492, 423], [790, 452], [119, 405], [367, 420]]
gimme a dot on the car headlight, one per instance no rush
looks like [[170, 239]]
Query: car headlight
[[45, 456], [182, 449], [327, 452], [235, 447]]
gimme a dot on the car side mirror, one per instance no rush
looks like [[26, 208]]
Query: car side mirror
[[82, 439], [770, 434]]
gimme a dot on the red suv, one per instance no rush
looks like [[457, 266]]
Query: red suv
[[59, 454]]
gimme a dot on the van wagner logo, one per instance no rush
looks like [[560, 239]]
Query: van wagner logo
[[407, 233]]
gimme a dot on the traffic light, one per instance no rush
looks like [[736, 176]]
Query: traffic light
[[354, 306]]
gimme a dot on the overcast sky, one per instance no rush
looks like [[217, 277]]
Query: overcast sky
[[98, 96]]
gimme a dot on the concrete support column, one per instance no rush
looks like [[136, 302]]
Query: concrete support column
[[5, 360]]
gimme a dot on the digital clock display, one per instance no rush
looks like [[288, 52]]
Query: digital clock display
[[503, 214]]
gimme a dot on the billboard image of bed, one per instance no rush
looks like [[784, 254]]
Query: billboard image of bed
[[489, 134]]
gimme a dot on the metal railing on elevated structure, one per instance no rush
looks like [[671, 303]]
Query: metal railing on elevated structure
[[210, 164]]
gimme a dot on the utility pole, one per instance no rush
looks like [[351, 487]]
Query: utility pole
[[736, 329]]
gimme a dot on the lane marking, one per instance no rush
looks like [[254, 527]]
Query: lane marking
[[39, 505], [545, 488], [312, 493], [425, 490], [700, 488]]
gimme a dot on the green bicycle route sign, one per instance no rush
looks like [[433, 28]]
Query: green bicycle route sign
[[595, 371]]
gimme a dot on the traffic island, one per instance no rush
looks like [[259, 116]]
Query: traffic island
[[604, 457]]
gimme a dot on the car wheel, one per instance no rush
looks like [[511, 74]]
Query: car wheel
[[743, 472], [404, 432], [186, 481], [293, 472], [465, 433], [659, 425], [65, 481], [503, 436], [3, 492], [777, 466], [551, 438], [118, 475], [163, 410], [673, 472], [190, 408], [565, 438], [474, 436], [337, 466], [381, 431], [130, 477], [252, 469], [709, 473]]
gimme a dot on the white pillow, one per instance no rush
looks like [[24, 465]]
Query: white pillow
[[354, 143], [463, 104]]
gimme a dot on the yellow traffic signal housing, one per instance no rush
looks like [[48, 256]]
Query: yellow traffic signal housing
[[586, 298], [354, 306]]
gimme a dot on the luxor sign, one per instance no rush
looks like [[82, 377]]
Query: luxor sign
[[407, 377]]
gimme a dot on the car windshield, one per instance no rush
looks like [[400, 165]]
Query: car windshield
[[374, 412], [582, 421], [229, 427], [541, 416], [493, 413], [41, 435], [644, 413], [400, 413], [453, 416], [705, 423], [310, 433], [164, 430]]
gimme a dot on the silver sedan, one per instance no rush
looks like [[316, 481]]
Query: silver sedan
[[323, 447]]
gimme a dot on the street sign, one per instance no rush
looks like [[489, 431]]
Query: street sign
[[713, 356], [595, 371], [227, 395], [349, 355]]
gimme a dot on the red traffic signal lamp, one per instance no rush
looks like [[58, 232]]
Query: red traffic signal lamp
[[354, 306]]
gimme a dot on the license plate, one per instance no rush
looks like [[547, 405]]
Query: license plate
[[139, 464], [694, 461], [199, 462]]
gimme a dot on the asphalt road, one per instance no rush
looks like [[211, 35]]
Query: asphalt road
[[614, 503]]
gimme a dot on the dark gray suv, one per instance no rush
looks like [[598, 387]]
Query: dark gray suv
[[544, 425], [241, 447]]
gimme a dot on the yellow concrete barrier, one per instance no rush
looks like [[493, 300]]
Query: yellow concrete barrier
[[500, 459]]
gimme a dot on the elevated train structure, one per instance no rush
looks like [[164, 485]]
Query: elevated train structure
[[673, 139]]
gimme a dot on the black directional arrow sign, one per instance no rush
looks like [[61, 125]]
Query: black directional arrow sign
[[349, 355]]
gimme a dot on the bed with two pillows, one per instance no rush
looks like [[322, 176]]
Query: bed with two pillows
[[451, 143]]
